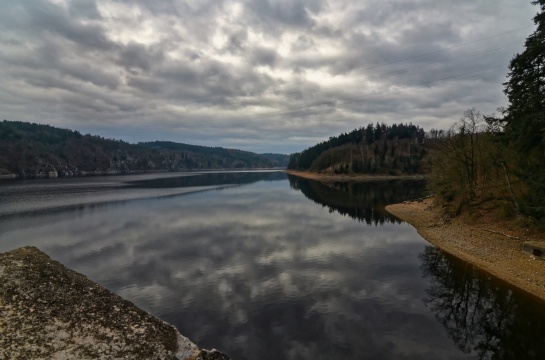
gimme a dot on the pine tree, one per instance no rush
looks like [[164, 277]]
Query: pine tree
[[525, 116]]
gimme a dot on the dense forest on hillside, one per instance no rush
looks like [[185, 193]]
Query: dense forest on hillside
[[177, 156], [498, 162], [490, 163], [374, 149], [35, 150]]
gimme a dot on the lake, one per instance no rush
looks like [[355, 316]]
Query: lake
[[261, 265]]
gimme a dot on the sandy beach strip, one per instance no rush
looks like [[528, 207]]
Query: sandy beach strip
[[495, 247], [349, 178]]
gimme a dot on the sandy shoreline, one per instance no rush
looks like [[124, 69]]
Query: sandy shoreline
[[469, 238], [348, 178]]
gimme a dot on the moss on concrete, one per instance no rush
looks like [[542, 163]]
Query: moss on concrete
[[49, 311]]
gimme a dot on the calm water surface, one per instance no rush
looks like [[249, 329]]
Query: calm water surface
[[264, 266]]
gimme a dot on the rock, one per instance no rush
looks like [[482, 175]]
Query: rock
[[536, 249], [49, 311], [211, 355]]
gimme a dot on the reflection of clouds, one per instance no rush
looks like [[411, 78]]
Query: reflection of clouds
[[256, 267]]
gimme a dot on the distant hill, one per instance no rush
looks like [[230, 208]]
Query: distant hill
[[178, 156], [376, 149], [35, 150], [278, 160]]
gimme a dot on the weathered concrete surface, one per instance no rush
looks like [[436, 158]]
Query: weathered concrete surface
[[48, 311]]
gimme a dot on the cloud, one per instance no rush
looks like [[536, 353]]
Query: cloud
[[275, 68]]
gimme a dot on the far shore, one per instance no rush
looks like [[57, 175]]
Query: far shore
[[479, 239], [350, 177], [56, 175]]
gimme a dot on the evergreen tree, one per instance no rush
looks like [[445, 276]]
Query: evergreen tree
[[525, 116]]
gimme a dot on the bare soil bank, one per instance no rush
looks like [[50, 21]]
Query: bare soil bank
[[347, 178], [470, 239]]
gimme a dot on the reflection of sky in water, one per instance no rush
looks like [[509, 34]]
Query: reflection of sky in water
[[257, 271]]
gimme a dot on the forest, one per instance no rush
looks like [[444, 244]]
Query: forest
[[498, 161], [36, 150], [374, 149], [482, 161]]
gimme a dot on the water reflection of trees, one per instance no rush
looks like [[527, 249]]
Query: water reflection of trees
[[362, 201], [485, 319]]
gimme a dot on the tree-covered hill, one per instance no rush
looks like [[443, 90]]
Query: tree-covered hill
[[374, 149], [179, 156], [35, 150], [278, 160], [498, 161]]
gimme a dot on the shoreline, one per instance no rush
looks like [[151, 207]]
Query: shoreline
[[17, 177], [348, 178], [492, 246]]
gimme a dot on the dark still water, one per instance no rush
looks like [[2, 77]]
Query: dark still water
[[262, 266]]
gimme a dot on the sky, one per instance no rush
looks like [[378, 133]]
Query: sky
[[258, 75]]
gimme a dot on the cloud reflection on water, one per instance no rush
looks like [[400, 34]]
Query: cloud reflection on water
[[257, 271]]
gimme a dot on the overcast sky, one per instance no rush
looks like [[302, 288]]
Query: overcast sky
[[259, 75]]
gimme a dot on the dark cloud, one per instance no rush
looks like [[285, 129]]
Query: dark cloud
[[84, 9], [146, 85], [54, 20], [134, 55], [241, 67], [264, 56], [277, 14]]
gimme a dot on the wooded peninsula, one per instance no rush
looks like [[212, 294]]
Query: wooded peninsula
[[494, 161]]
